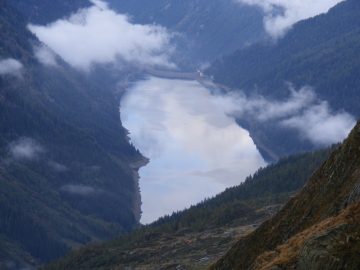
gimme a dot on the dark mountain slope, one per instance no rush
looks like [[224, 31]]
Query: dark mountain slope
[[270, 185], [331, 189], [322, 38], [207, 28], [205, 227], [211, 28], [44, 12], [202, 30], [321, 52], [65, 178]]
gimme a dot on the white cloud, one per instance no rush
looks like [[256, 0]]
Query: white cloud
[[100, 35], [10, 67], [282, 14], [320, 125], [45, 55], [302, 110], [196, 149], [25, 148], [263, 109]]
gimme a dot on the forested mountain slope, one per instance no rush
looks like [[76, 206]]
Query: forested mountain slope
[[203, 29], [65, 178], [272, 184], [44, 12], [207, 28], [239, 206], [317, 229], [321, 52]]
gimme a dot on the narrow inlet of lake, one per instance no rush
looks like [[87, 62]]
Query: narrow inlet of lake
[[196, 150]]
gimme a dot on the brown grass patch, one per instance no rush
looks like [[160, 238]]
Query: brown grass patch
[[287, 253]]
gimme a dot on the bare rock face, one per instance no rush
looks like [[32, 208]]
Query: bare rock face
[[316, 252], [334, 187]]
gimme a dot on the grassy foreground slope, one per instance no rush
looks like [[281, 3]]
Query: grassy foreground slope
[[317, 228]]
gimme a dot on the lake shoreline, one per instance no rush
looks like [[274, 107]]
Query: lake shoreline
[[160, 113], [136, 166]]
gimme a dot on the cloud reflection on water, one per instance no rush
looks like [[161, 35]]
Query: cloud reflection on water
[[195, 149]]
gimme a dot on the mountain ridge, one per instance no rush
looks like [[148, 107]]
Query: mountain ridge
[[320, 52], [330, 190], [68, 191]]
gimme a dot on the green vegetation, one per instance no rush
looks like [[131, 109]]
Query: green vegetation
[[64, 158], [166, 250], [44, 12], [273, 184], [73, 184], [234, 207], [209, 28], [321, 52], [329, 200]]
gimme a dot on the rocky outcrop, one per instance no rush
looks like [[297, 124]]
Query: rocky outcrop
[[333, 243], [330, 190], [316, 253], [135, 166]]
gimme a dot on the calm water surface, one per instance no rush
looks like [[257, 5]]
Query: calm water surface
[[195, 149]]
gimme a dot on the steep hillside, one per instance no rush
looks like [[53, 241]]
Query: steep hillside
[[203, 29], [321, 52], [65, 178], [181, 249], [313, 222], [271, 185], [44, 12], [207, 28], [196, 237]]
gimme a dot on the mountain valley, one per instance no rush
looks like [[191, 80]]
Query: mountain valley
[[70, 171]]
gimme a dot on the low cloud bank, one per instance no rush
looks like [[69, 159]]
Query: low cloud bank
[[45, 55], [280, 15], [10, 67], [99, 35], [25, 149], [302, 110], [320, 125]]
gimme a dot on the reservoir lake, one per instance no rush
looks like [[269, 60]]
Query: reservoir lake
[[196, 149]]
